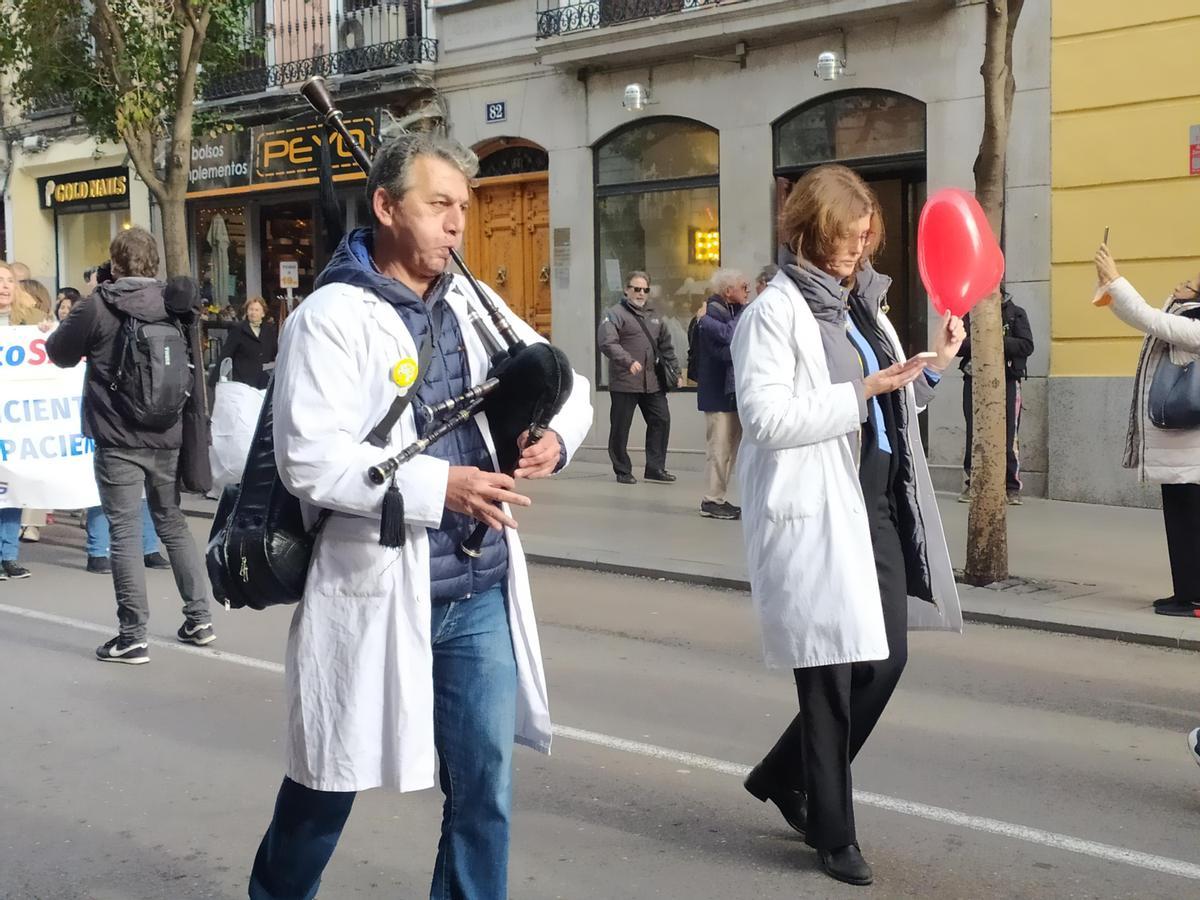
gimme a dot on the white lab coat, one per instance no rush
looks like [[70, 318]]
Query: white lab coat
[[359, 662], [808, 538]]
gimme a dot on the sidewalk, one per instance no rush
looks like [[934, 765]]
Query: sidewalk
[[1090, 570]]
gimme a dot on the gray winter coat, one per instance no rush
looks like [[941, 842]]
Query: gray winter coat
[[622, 340]]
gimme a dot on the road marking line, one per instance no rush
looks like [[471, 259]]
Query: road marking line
[[1049, 839]]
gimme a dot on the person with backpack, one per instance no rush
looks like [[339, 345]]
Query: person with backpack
[[138, 381]]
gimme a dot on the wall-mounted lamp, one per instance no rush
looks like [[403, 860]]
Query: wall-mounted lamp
[[34, 143], [637, 97], [831, 65]]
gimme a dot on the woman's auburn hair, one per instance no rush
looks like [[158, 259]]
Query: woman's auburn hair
[[822, 209]]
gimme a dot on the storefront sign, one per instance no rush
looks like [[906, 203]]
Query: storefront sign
[[562, 258], [220, 162], [289, 274], [1195, 150], [273, 155], [98, 189], [285, 154]]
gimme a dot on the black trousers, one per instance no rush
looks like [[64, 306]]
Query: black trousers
[[1181, 515], [840, 704], [658, 429], [1012, 423]]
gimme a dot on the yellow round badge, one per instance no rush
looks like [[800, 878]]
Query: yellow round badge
[[404, 373]]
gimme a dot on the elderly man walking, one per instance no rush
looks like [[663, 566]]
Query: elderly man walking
[[715, 397]]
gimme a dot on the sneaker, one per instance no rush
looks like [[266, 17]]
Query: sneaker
[[712, 510], [1014, 499], [735, 512], [156, 561], [12, 570], [99, 565], [118, 650], [626, 479], [3, 574], [662, 477], [1193, 740], [965, 496], [1164, 601], [198, 634]]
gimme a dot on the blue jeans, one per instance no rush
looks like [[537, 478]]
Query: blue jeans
[[98, 533], [475, 695], [10, 534]]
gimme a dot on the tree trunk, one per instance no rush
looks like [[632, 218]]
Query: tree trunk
[[987, 522], [173, 207]]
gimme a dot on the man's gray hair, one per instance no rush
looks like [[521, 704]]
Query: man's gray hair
[[723, 279], [637, 273], [768, 272], [391, 169]]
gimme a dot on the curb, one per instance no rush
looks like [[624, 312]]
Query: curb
[[742, 586]]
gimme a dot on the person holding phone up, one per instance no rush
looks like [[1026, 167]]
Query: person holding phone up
[[1162, 452]]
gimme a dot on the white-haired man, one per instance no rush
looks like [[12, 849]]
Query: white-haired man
[[715, 396]]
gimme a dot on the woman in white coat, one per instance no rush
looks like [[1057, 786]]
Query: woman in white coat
[[839, 515], [1166, 456]]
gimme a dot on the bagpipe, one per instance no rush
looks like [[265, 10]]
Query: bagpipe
[[259, 549]]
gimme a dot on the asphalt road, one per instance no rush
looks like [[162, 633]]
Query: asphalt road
[[1010, 763]]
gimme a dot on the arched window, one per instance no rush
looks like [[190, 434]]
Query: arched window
[[510, 156], [850, 127], [658, 211]]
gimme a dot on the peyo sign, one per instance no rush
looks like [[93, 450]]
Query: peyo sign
[[81, 191], [274, 155]]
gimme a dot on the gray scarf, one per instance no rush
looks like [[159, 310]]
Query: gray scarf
[[828, 300]]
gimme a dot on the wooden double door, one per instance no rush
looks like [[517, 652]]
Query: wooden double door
[[508, 243]]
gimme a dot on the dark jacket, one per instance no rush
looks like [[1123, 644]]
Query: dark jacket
[[623, 341], [1018, 342], [93, 330], [452, 574], [714, 363], [250, 352]]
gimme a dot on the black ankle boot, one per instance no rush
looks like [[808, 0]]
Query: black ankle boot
[[793, 804], [846, 864]]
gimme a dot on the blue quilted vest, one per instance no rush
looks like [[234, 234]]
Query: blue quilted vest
[[453, 575]]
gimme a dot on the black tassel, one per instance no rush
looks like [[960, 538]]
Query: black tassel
[[391, 523]]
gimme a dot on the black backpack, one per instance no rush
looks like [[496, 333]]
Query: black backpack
[[152, 372]]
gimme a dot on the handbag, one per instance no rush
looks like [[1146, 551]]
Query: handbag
[[667, 374], [259, 550], [1174, 401]]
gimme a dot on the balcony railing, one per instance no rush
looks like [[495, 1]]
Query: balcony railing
[[557, 18], [48, 103], [287, 41]]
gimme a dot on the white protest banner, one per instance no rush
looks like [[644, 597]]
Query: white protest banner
[[45, 460]]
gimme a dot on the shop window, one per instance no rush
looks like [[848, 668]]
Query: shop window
[[220, 235], [658, 210], [857, 125], [83, 240], [287, 236]]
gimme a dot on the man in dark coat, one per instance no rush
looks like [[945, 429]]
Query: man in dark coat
[[130, 458], [715, 396], [1018, 347], [632, 336]]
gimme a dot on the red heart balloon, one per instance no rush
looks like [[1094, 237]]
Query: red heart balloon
[[959, 258]]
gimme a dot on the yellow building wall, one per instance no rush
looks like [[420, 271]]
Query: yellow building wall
[[1125, 91]]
